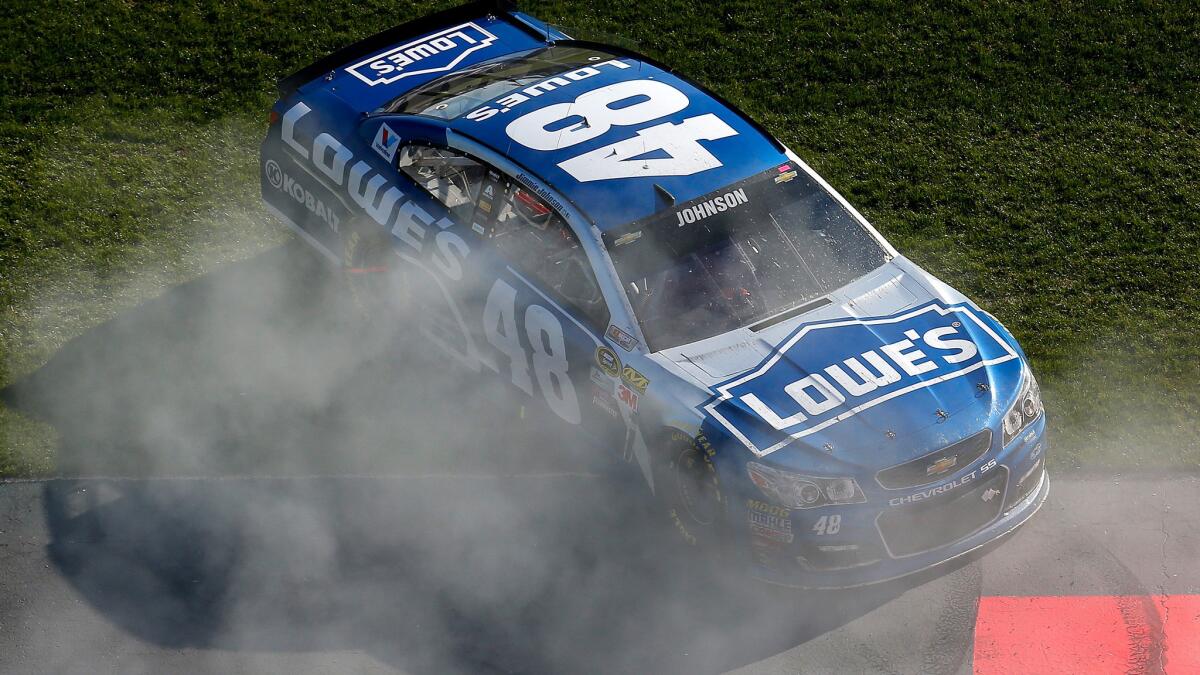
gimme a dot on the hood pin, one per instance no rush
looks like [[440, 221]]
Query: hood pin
[[942, 415], [890, 434], [829, 447]]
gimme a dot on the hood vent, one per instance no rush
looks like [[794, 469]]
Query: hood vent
[[796, 311]]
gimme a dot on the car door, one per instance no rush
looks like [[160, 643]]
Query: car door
[[533, 310]]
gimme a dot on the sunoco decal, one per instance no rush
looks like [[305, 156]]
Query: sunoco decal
[[434, 53], [817, 378]]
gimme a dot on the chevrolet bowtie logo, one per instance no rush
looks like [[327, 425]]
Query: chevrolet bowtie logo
[[942, 465]]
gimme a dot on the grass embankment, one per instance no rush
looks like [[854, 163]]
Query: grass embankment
[[1044, 158]]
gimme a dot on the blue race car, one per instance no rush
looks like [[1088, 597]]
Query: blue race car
[[669, 283]]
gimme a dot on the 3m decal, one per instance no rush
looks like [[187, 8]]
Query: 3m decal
[[816, 378], [628, 397], [637, 156], [434, 53], [385, 143]]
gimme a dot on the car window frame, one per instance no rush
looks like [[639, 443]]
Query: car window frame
[[598, 324]]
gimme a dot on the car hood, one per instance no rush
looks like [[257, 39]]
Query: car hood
[[896, 365]]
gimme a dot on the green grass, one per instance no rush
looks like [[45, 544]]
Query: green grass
[[1044, 158]]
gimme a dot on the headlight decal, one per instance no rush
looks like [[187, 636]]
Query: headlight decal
[[1025, 410], [800, 491]]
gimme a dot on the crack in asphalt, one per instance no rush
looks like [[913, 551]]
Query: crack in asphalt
[[1165, 607]]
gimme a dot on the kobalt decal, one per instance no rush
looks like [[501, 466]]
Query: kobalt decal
[[816, 378], [281, 180], [711, 207], [377, 196], [608, 107], [516, 98], [434, 53]]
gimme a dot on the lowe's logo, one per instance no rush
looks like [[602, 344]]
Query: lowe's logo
[[827, 372], [434, 53]]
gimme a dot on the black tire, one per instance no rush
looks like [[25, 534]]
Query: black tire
[[689, 488], [376, 281]]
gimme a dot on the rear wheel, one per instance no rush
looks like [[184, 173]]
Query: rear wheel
[[377, 283]]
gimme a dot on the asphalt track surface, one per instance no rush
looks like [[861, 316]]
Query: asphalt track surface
[[521, 558], [121, 576]]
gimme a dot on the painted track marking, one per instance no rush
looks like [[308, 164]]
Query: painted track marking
[[1088, 634]]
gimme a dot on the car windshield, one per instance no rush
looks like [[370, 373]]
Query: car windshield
[[452, 96], [738, 256]]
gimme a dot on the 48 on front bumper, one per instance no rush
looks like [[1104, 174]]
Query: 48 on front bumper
[[839, 547]]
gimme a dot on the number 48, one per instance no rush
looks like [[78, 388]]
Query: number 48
[[666, 149], [828, 525]]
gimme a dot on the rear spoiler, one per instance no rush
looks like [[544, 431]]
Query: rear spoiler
[[502, 9]]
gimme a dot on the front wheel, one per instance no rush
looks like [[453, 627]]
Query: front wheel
[[688, 485]]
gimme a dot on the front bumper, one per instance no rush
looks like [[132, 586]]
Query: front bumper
[[875, 542]]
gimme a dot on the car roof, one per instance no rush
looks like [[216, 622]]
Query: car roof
[[496, 32], [611, 203]]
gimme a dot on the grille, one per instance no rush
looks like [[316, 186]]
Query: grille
[[924, 526], [915, 472], [812, 557]]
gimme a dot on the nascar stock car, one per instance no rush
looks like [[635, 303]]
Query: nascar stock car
[[655, 272]]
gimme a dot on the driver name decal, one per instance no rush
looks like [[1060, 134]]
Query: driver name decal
[[818, 378], [712, 207]]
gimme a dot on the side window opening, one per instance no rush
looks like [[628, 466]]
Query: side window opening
[[539, 243], [452, 179], [524, 229]]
